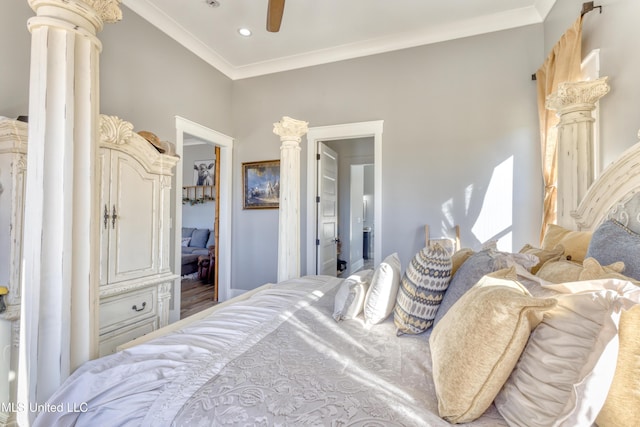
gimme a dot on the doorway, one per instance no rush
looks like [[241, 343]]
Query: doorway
[[200, 205], [353, 155], [191, 132], [372, 129]]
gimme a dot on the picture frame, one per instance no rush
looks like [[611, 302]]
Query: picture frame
[[261, 184], [204, 172]]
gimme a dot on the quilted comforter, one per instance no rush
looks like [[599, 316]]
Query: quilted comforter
[[275, 359]]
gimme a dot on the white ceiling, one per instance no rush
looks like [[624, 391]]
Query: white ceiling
[[320, 31]]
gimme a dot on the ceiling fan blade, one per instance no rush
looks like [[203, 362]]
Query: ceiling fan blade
[[274, 15]]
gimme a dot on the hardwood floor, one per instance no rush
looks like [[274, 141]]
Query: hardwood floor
[[195, 296]]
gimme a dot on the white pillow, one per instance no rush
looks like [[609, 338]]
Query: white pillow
[[349, 299], [381, 296], [185, 241], [565, 371]]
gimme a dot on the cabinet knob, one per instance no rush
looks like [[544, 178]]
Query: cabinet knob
[[135, 307]]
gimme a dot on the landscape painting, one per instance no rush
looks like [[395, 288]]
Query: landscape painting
[[261, 184]]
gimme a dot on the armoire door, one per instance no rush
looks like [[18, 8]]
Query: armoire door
[[130, 229]]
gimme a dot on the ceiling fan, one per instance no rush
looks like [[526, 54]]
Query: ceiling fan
[[274, 15]]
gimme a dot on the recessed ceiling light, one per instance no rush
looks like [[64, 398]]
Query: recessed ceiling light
[[245, 32]]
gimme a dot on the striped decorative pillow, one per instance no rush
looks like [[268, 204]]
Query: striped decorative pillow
[[422, 289]]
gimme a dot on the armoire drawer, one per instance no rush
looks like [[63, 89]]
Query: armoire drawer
[[120, 310], [110, 341]]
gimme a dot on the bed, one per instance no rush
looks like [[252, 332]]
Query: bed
[[319, 350]]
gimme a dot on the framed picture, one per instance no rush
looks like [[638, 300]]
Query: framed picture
[[204, 172], [261, 185]]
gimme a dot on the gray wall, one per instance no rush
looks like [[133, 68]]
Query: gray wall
[[615, 32], [148, 78], [452, 112], [145, 76], [15, 51]]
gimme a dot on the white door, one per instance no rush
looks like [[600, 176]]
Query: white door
[[327, 232]]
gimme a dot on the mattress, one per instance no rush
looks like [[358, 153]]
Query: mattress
[[277, 358]]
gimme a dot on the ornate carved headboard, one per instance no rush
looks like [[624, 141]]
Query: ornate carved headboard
[[616, 194]]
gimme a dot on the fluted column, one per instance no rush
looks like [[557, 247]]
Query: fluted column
[[61, 246], [574, 103], [290, 132]]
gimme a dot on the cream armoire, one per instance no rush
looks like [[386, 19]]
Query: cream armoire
[[135, 223], [135, 275]]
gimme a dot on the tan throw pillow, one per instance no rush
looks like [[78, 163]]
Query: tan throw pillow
[[561, 271], [477, 343], [591, 270], [575, 243], [458, 258], [543, 255]]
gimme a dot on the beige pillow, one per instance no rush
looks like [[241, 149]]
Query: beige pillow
[[383, 290], [564, 374], [575, 243], [476, 345], [543, 255], [458, 258], [591, 270], [561, 271]]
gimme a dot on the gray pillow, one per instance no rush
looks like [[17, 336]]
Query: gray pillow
[[612, 242], [199, 237], [469, 273], [212, 239], [472, 270], [187, 231]]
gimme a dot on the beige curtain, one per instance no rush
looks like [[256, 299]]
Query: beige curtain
[[562, 65]]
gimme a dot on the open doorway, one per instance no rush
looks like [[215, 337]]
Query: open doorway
[[355, 230], [217, 147], [200, 205], [344, 132]]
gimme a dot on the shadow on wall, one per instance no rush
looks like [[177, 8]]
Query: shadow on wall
[[488, 207]]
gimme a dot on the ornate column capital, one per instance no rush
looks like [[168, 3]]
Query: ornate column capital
[[97, 12], [577, 96], [108, 10], [290, 129]]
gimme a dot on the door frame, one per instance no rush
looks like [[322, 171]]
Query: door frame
[[335, 132], [225, 163]]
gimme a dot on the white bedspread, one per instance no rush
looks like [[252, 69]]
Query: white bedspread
[[275, 359]]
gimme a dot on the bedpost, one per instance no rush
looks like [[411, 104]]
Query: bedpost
[[291, 132], [61, 234], [574, 103]]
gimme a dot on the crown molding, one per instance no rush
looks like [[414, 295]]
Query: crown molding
[[534, 14]]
